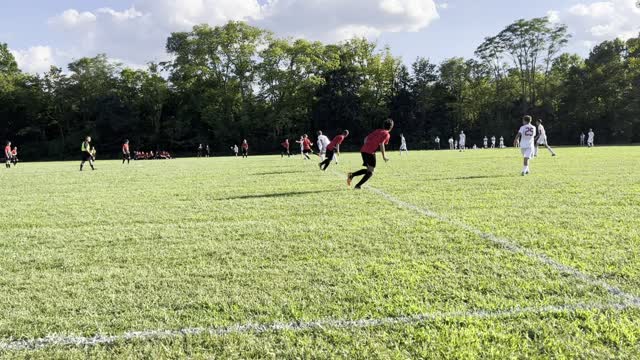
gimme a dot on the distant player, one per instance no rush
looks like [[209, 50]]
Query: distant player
[[403, 145], [462, 141], [377, 139], [235, 150], [305, 146], [493, 142], [285, 148], [583, 137], [200, 150], [437, 141], [7, 155], [14, 156], [323, 141], [526, 138], [485, 142], [333, 149], [245, 149], [591, 139], [502, 142], [455, 145], [207, 150], [542, 139], [451, 144], [87, 154], [126, 153]]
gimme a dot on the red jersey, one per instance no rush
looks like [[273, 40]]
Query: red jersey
[[125, 148], [306, 144], [245, 146], [7, 151], [285, 144], [374, 140], [335, 142], [14, 152]]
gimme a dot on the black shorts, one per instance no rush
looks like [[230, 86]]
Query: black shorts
[[306, 151], [368, 160], [329, 154], [245, 151], [86, 156]]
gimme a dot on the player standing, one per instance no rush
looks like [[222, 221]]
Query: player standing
[[235, 149], [501, 142], [493, 142], [451, 144], [333, 149], [14, 156], [7, 155], [462, 142], [245, 149], [542, 140], [403, 145], [323, 141], [87, 154], [437, 141], [377, 139], [286, 146], [526, 138], [200, 149], [591, 139], [582, 138], [485, 142], [126, 154], [207, 150]]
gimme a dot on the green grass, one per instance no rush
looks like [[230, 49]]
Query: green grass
[[220, 242]]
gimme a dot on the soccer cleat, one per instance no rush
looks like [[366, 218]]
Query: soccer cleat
[[320, 166], [349, 179], [554, 155]]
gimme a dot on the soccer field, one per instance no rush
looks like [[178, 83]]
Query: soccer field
[[446, 255]]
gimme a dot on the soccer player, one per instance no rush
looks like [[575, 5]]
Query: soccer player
[[485, 142], [245, 149], [455, 145], [207, 150], [542, 140], [126, 154], [451, 143], [7, 155], [526, 138], [323, 141], [377, 139], [437, 141], [582, 138], [235, 150], [501, 142], [14, 156], [403, 145], [200, 149], [87, 154], [462, 141], [305, 146], [286, 146], [332, 149], [493, 142], [591, 139]]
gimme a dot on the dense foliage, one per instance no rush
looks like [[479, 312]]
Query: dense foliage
[[235, 81]]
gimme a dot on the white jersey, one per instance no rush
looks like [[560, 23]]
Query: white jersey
[[591, 136], [323, 142], [527, 136], [463, 139], [403, 143], [542, 132]]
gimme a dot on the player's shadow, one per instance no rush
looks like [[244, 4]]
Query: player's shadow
[[477, 177], [275, 195], [277, 173]]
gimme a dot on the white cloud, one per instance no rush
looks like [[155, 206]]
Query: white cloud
[[36, 59], [72, 18], [592, 22]]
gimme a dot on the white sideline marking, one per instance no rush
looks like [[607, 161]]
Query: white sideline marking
[[510, 246], [51, 341]]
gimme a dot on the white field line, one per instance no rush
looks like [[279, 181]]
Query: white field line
[[510, 246], [81, 341]]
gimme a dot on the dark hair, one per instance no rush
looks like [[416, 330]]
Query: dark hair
[[388, 124], [319, 132], [527, 118], [539, 120]]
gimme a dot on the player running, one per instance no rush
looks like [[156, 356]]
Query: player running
[[333, 149], [526, 138], [7, 155], [542, 139], [462, 141], [591, 139], [305, 146], [403, 145], [126, 153], [323, 141], [245, 149], [87, 154], [377, 139], [285, 145]]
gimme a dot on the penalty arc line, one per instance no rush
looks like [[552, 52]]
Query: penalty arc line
[[252, 328], [510, 246]]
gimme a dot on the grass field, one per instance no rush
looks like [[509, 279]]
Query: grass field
[[450, 255]]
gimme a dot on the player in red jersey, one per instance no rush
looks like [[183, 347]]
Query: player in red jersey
[[333, 149], [7, 155], [306, 146], [14, 156], [377, 139], [286, 146], [126, 154], [245, 149]]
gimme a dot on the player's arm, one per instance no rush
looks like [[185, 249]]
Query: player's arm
[[516, 140], [384, 152], [338, 149]]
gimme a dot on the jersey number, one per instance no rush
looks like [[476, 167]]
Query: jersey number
[[528, 132]]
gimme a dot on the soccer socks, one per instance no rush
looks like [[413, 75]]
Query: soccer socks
[[366, 178]]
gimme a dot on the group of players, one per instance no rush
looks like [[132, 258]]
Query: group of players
[[10, 155]]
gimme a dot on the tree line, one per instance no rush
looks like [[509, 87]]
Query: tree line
[[233, 82]]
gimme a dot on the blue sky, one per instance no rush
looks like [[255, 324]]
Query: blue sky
[[45, 32]]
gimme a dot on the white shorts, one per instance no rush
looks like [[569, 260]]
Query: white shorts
[[527, 152], [542, 140], [462, 144]]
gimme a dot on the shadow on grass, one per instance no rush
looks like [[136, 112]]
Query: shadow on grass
[[276, 195], [472, 177], [277, 173]]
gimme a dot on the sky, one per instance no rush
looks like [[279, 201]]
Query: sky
[[41, 33]]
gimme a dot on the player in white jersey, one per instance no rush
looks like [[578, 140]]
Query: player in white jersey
[[591, 138], [502, 142], [526, 138], [403, 145], [451, 144], [493, 142], [323, 142], [542, 140], [462, 141], [485, 142]]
